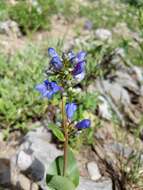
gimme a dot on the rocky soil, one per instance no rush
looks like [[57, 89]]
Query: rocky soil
[[108, 163]]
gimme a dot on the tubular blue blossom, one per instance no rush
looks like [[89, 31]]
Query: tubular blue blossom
[[70, 109], [79, 77], [52, 52], [81, 56], [85, 123], [79, 69], [55, 61], [71, 56], [48, 89]]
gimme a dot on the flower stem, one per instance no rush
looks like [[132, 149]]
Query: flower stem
[[64, 123]]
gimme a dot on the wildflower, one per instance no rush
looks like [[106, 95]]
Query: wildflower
[[80, 77], [85, 123], [48, 89], [88, 25], [71, 56], [70, 109], [79, 69], [81, 56], [55, 61]]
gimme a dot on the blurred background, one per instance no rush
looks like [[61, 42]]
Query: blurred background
[[111, 32]]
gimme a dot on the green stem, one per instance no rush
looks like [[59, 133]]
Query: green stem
[[64, 123]]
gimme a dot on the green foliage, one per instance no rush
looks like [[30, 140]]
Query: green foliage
[[19, 75], [67, 8], [107, 15], [57, 132], [136, 3], [72, 172], [60, 183], [32, 17], [3, 10]]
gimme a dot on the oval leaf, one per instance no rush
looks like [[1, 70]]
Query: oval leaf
[[72, 172], [57, 132], [61, 183]]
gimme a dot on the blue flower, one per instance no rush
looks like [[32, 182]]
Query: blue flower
[[81, 56], [55, 61], [48, 89], [80, 77], [79, 69], [71, 56], [70, 109], [85, 123]]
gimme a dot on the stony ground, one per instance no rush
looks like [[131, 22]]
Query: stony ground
[[114, 160]]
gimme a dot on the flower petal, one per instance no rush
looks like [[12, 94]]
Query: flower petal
[[70, 109], [52, 52], [71, 56], [79, 68], [48, 89], [56, 63], [81, 56], [42, 89], [79, 77], [85, 123]]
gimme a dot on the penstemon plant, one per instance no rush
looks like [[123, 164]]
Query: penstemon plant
[[62, 76]]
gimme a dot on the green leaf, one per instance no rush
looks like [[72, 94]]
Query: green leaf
[[72, 172], [61, 183], [57, 132]]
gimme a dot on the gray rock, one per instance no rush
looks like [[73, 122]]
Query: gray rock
[[139, 73], [36, 171], [104, 109], [24, 161], [36, 147], [93, 171], [119, 148], [10, 27], [103, 34], [4, 172], [116, 91], [126, 81], [86, 184]]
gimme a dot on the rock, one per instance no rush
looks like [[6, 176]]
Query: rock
[[36, 171], [20, 182], [126, 81], [10, 178], [4, 172], [86, 184], [10, 27], [120, 52], [139, 73], [115, 90], [35, 154], [119, 149], [104, 109], [93, 171], [103, 34], [24, 161]]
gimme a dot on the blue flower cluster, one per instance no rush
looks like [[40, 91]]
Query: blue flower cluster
[[77, 62], [76, 67], [70, 109], [48, 89]]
